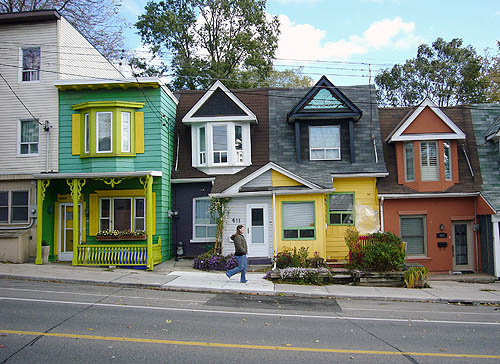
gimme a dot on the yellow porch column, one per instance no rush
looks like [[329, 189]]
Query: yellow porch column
[[149, 219], [76, 185], [40, 196]]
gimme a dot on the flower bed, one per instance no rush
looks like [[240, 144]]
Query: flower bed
[[212, 261], [294, 275]]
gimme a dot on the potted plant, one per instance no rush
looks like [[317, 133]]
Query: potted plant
[[416, 277], [45, 252]]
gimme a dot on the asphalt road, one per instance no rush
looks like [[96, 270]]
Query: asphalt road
[[68, 323]]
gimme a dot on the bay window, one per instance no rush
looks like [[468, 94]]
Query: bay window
[[203, 146], [429, 161], [219, 144], [409, 162], [125, 124], [104, 131], [447, 159]]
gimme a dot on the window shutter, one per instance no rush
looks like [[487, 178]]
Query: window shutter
[[298, 214], [139, 132], [428, 161], [75, 134], [93, 214], [154, 213]]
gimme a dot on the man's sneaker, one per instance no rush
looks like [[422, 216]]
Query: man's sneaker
[[227, 277]]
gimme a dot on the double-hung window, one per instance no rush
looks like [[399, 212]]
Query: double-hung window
[[298, 220], [104, 132], [413, 232], [86, 130], [447, 159], [125, 126], [238, 143], [122, 213], [429, 161], [409, 162], [204, 223], [324, 142], [31, 60], [219, 143], [14, 207], [28, 137], [202, 158], [341, 209]]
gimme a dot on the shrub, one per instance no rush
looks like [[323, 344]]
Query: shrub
[[383, 253], [293, 258], [213, 261], [315, 276], [415, 277]]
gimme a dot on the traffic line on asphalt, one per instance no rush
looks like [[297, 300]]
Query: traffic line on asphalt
[[243, 346], [247, 313]]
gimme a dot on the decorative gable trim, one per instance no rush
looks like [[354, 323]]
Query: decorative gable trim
[[248, 114], [270, 166], [350, 111], [397, 135]]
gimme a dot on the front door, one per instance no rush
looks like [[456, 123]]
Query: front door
[[463, 248], [257, 230], [66, 230]]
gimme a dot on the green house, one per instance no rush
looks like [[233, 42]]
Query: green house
[[115, 147]]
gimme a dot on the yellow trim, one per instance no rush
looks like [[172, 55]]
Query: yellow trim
[[139, 132], [94, 210], [280, 180], [244, 346], [125, 104], [56, 228], [75, 134], [157, 251], [108, 86]]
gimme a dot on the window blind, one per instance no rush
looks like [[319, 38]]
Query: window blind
[[298, 214]]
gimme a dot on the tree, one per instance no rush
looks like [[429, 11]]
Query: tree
[[492, 74], [231, 40], [97, 20], [288, 78], [447, 73]]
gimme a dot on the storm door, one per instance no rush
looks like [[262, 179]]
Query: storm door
[[257, 230], [463, 248], [66, 243]]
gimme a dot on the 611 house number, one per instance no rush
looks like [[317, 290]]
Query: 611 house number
[[236, 220]]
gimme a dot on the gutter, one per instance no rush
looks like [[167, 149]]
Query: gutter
[[357, 175], [426, 195], [193, 180], [272, 193]]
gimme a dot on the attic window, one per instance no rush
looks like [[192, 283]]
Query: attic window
[[324, 142], [324, 100], [429, 161]]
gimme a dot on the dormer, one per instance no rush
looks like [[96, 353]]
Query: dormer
[[327, 116], [220, 132], [426, 149]]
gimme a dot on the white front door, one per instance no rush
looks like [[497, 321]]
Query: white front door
[[66, 230], [257, 230]]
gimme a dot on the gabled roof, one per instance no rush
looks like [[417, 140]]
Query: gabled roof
[[219, 104], [270, 166], [398, 134], [494, 130], [324, 100]]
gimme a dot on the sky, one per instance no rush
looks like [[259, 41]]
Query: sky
[[351, 40]]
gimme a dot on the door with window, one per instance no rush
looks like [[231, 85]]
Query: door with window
[[463, 248], [66, 243], [257, 236]]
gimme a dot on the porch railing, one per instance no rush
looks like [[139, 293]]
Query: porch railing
[[112, 255]]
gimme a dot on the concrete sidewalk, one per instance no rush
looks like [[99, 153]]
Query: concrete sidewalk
[[180, 276]]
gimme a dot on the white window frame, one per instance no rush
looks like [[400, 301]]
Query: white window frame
[[125, 131], [427, 143], [30, 72], [228, 146], [10, 206], [424, 224], [311, 149], [405, 155], [19, 132], [196, 239], [450, 166], [86, 128], [133, 215], [239, 156], [97, 132], [202, 154]]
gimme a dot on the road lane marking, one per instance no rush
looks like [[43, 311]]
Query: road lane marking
[[102, 295], [243, 313], [244, 346]]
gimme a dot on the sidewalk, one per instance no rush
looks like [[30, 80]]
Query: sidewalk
[[180, 276]]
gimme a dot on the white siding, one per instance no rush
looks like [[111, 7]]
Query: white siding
[[79, 59], [39, 97], [264, 180], [237, 216]]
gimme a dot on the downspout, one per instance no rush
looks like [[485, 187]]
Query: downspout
[[46, 128], [275, 243], [475, 234], [382, 213]]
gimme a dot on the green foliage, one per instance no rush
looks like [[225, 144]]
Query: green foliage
[[45, 243], [415, 277], [231, 40], [288, 78], [446, 72], [491, 71], [219, 210], [382, 252], [298, 258]]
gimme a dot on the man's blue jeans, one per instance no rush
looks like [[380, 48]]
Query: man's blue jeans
[[242, 267]]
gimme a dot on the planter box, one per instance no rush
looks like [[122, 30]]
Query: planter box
[[378, 279], [45, 254], [120, 238]]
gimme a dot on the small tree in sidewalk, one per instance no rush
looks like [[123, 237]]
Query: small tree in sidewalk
[[219, 211]]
